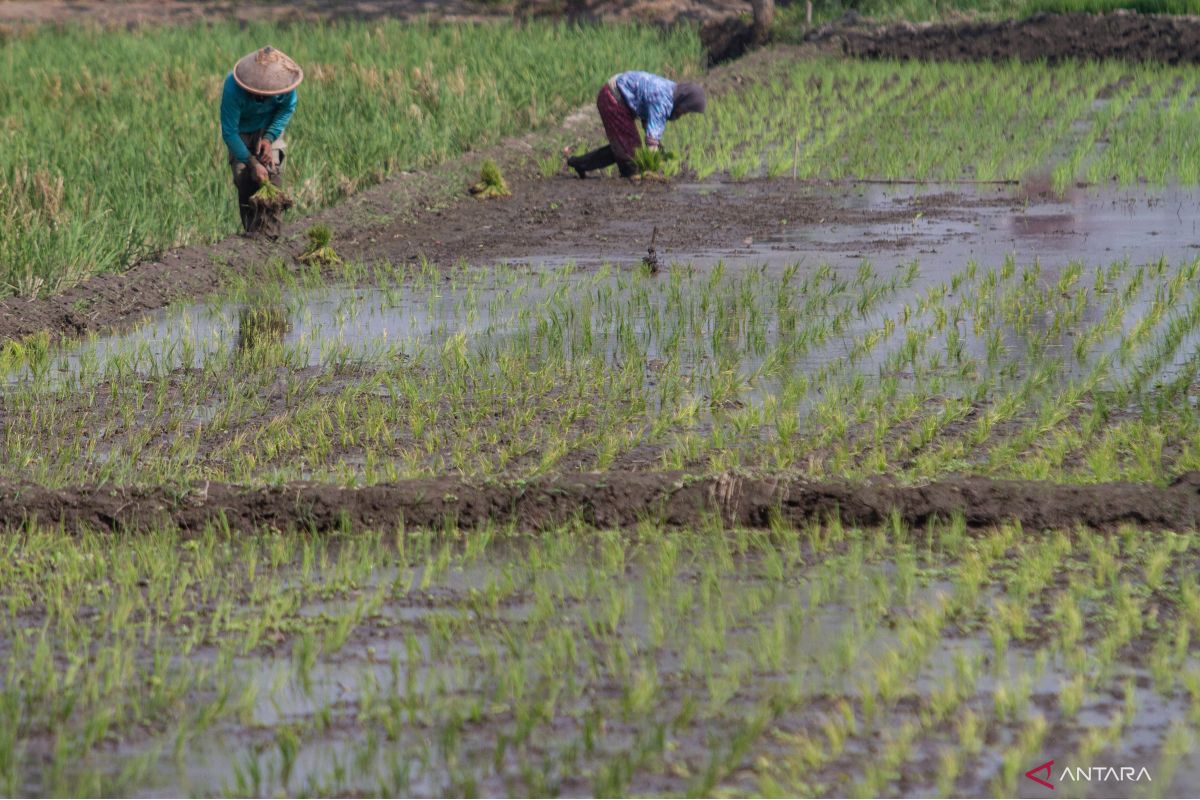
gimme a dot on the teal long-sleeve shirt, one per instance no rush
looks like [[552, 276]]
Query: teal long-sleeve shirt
[[242, 113]]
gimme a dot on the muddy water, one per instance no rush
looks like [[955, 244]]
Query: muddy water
[[363, 323], [1088, 225], [487, 308]]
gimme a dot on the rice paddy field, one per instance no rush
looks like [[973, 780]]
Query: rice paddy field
[[141, 168], [471, 499], [1100, 122]]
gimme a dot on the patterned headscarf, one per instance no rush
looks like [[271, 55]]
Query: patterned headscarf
[[689, 98]]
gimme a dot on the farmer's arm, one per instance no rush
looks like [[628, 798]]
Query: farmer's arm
[[659, 104], [656, 123], [283, 116], [231, 117]]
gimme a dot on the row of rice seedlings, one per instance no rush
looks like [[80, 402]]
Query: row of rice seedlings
[[1077, 428], [107, 392], [1110, 107], [630, 324], [849, 400], [1014, 120], [1048, 375], [1150, 143], [988, 708]]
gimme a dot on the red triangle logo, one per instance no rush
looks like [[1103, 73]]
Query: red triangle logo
[[1033, 774]]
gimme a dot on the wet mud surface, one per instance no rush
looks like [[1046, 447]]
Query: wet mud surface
[[552, 220], [612, 220], [1124, 35], [609, 500]]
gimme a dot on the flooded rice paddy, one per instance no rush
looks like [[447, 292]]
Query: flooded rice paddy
[[1076, 366], [1088, 226], [814, 661], [1053, 341]]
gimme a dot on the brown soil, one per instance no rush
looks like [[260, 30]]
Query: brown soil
[[609, 499], [1123, 35], [609, 220]]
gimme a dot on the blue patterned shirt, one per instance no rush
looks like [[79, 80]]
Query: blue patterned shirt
[[652, 99]]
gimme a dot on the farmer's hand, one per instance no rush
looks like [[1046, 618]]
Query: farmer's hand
[[260, 172], [264, 152], [652, 147]]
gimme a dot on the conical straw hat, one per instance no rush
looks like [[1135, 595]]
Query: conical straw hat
[[267, 71]]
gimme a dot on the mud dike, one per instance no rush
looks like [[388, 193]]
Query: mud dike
[[1055, 37], [608, 500]]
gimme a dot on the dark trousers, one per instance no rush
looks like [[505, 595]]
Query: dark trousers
[[600, 158], [256, 220]]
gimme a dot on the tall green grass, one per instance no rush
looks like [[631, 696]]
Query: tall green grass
[[108, 157]]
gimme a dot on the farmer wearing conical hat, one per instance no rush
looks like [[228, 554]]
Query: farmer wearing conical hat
[[627, 98], [257, 103]]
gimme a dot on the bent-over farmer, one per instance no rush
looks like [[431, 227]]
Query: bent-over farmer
[[257, 103], [627, 98]]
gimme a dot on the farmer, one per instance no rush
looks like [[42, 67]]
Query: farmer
[[256, 105], [626, 98]]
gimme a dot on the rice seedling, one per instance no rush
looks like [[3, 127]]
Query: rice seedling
[[654, 163], [697, 371]]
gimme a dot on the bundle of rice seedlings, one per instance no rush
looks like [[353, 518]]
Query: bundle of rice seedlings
[[319, 250], [491, 182], [652, 163], [270, 196]]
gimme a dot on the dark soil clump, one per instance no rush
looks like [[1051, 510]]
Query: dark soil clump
[[608, 500], [1055, 37]]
